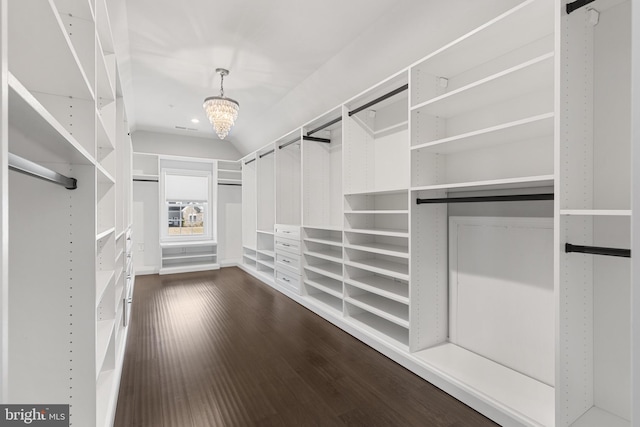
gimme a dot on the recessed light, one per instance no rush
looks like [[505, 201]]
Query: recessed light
[[195, 121]]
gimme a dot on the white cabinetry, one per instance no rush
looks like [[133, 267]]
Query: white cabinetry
[[67, 344], [471, 216]]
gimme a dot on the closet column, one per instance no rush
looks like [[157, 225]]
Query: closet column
[[635, 223]]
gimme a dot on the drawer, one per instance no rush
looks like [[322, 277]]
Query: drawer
[[288, 281], [288, 231], [289, 245], [288, 261]]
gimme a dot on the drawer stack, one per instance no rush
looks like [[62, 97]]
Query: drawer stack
[[287, 249]]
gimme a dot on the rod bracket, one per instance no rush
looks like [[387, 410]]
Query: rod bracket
[[577, 5]]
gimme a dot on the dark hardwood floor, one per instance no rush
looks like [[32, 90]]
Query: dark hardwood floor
[[223, 349]]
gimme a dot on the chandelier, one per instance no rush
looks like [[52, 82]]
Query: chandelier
[[222, 112]]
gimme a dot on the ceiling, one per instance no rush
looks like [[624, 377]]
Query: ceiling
[[287, 58]]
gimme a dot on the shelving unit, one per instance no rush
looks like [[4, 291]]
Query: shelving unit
[[526, 122], [229, 172], [67, 345], [266, 187], [265, 254], [180, 257], [145, 166], [377, 138]]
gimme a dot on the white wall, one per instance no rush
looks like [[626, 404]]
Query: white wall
[[146, 229], [411, 31], [183, 145]]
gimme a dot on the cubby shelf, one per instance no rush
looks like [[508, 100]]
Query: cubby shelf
[[325, 241], [327, 285], [382, 249], [103, 280], [387, 309], [521, 79], [379, 232], [267, 263], [329, 255], [388, 268], [104, 332], [596, 212], [330, 270], [327, 301], [388, 288], [383, 329], [529, 128]]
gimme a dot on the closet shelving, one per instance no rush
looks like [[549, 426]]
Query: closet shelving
[[594, 200], [266, 187], [534, 103], [376, 211], [229, 172], [249, 211], [288, 174], [66, 346], [287, 256], [265, 255], [188, 256], [145, 166]]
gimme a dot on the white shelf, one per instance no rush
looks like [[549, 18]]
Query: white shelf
[[390, 310], [103, 280], [329, 286], [327, 301], [529, 128], [101, 235], [383, 329], [105, 394], [267, 252], [187, 256], [381, 248], [378, 193], [325, 240], [251, 257], [267, 263], [524, 78], [387, 268], [491, 381], [379, 212], [494, 184], [379, 232], [188, 243], [396, 127], [64, 74], [330, 270], [387, 288], [104, 330], [104, 176], [596, 417], [489, 41], [265, 232], [37, 124], [333, 256], [186, 267], [595, 212]]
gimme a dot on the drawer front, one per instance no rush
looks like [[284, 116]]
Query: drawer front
[[288, 281], [289, 262], [288, 231], [287, 245]]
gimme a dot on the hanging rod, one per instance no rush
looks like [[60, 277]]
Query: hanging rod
[[507, 198], [145, 180], [27, 167], [596, 250], [326, 125], [380, 99], [224, 183], [266, 154], [316, 139], [252, 160], [286, 144], [577, 5]]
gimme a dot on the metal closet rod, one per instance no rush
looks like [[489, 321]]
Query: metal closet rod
[[144, 180], [597, 250], [267, 153], [252, 160], [379, 99], [577, 5], [316, 139], [506, 198], [326, 125], [286, 144], [27, 167]]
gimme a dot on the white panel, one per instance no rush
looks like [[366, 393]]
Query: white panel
[[146, 239], [186, 187], [501, 291]]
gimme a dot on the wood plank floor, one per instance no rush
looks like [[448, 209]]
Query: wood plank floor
[[223, 349]]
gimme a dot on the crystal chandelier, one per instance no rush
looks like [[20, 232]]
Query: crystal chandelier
[[222, 112]]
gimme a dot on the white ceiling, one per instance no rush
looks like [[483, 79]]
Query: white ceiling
[[289, 60]]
